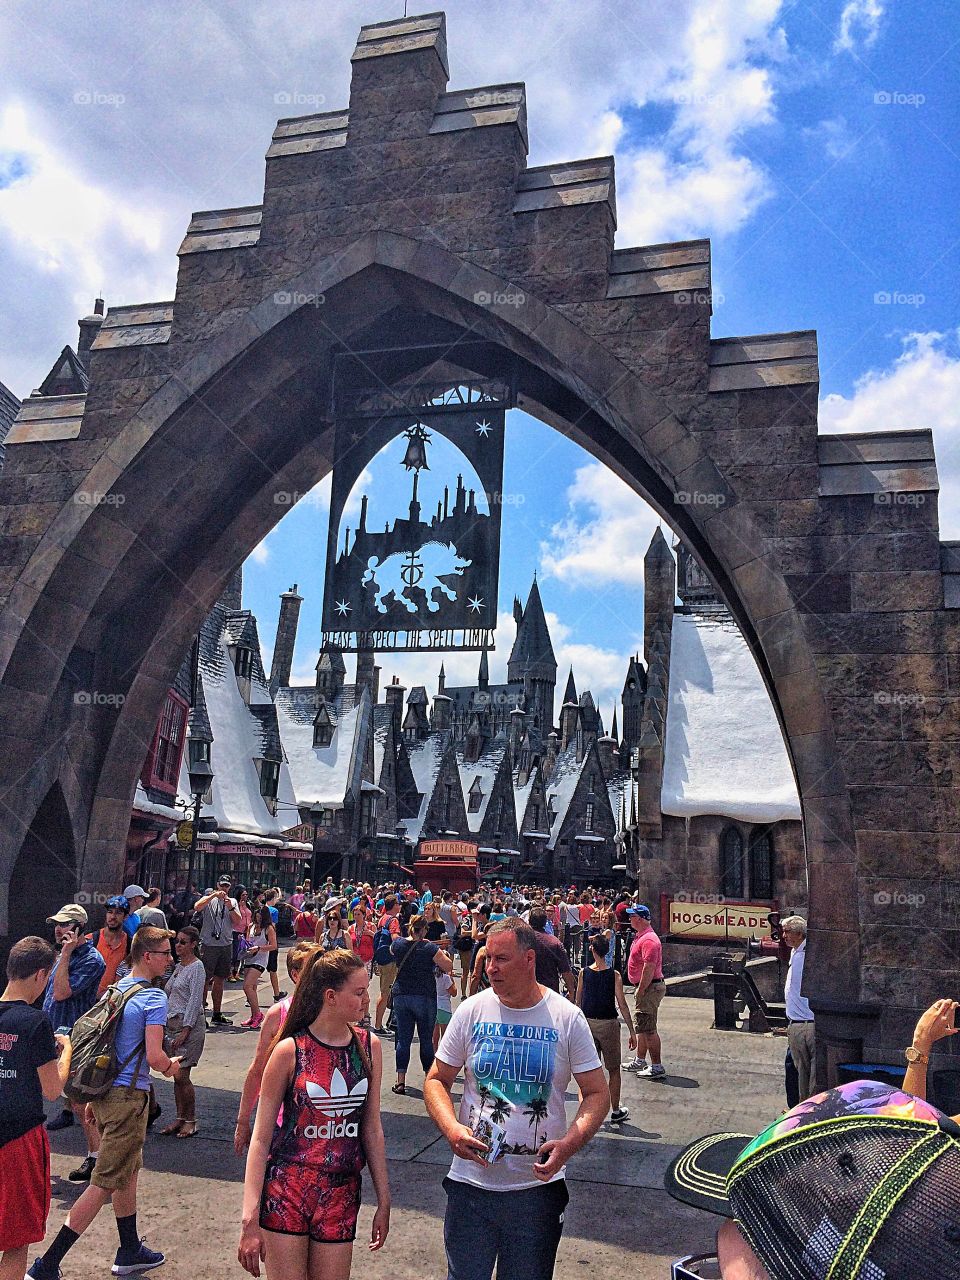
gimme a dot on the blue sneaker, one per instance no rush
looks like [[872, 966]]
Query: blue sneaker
[[39, 1272], [142, 1259]]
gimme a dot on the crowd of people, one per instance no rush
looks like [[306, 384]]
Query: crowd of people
[[517, 989]]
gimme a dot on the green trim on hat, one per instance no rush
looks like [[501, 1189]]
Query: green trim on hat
[[881, 1202]]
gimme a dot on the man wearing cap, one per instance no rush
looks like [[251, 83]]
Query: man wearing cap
[[136, 896], [72, 989], [645, 970], [221, 915], [112, 941], [800, 1031]]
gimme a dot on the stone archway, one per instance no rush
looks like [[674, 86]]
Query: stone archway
[[415, 213], [43, 877]]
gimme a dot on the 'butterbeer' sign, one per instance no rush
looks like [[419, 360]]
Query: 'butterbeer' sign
[[447, 850], [698, 918]]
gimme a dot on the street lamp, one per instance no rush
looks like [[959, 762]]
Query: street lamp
[[201, 779], [316, 817]]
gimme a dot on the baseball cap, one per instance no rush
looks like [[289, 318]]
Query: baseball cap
[[134, 891], [72, 913], [857, 1182], [639, 910], [118, 900], [224, 882]]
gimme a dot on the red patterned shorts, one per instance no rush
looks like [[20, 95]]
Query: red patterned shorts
[[303, 1202]]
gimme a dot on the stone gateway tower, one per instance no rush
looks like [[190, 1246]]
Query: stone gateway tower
[[409, 224]]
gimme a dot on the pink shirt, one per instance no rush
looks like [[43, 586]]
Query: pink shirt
[[647, 949]]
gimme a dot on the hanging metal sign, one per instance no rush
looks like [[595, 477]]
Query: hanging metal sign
[[413, 545]]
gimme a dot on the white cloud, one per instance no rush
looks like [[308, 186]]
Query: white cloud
[[859, 23], [604, 534], [920, 389], [260, 553]]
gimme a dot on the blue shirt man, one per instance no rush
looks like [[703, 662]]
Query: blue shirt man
[[85, 968]]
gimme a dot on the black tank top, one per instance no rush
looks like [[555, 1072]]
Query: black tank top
[[599, 993]]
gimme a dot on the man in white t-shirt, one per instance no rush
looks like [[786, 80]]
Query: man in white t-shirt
[[518, 1043]]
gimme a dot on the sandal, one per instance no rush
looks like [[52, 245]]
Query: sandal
[[189, 1129], [399, 1088], [171, 1129]]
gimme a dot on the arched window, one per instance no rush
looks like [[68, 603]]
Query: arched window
[[761, 865], [731, 863]]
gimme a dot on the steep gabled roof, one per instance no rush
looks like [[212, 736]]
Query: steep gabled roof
[[484, 769], [325, 775], [561, 787], [67, 376], [9, 408]]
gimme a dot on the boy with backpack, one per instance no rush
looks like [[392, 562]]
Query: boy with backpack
[[388, 928], [29, 1072], [115, 1045]]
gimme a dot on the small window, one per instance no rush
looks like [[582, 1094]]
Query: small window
[[535, 816], [243, 664], [731, 863], [170, 736], [269, 778], [761, 865], [322, 735], [588, 816], [476, 797]]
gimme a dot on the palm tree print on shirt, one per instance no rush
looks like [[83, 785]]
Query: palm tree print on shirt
[[500, 1110], [485, 1096], [537, 1111]]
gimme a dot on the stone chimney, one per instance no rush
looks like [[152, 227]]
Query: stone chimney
[[286, 640], [89, 328], [368, 674], [393, 698]]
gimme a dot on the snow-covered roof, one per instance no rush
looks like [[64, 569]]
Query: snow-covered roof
[[618, 786], [561, 786], [521, 795], [240, 737], [724, 752], [425, 760], [485, 772], [323, 775]]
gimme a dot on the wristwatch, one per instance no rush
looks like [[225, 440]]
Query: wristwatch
[[913, 1054]]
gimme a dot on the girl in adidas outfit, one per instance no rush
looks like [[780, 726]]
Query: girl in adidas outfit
[[302, 1187]]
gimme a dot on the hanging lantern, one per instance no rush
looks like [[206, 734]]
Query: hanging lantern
[[415, 458]]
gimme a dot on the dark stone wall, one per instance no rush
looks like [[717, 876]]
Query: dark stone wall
[[193, 435]]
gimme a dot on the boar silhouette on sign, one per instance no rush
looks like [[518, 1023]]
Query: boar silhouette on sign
[[405, 571]]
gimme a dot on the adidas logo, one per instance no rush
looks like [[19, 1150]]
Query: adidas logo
[[341, 1100]]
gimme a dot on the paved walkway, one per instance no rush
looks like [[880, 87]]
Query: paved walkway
[[619, 1216]]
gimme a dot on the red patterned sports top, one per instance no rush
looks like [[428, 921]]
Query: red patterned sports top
[[323, 1106]]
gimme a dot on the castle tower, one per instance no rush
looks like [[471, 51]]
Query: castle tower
[[634, 687], [532, 662], [331, 672], [286, 640], [569, 713], [659, 589]]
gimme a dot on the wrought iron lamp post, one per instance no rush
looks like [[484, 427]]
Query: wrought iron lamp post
[[201, 779]]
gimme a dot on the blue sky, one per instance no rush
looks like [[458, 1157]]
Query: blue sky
[[814, 142]]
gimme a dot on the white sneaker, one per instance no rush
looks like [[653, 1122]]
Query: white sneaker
[[652, 1072], [638, 1064]]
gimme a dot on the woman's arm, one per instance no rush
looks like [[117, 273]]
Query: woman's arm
[[276, 1079], [624, 1007], [477, 970], [254, 1077], [371, 1135], [934, 1024], [578, 998], [271, 943], [193, 1011], [443, 962]]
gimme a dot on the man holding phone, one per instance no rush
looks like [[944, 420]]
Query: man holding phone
[[72, 988], [518, 1044]]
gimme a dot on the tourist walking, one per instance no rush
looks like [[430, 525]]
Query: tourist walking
[[72, 988], [331, 933], [511, 1137], [388, 929], [645, 971], [186, 1026], [121, 1115], [220, 916], [31, 1072], [361, 935], [302, 1186], [414, 996], [239, 934], [260, 942], [600, 995], [801, 1035], [112, 940]]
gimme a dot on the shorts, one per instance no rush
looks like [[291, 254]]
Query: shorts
[[302, 1202], [645, 1008], [121, 1117], [388, 973], [272, 961], [443, 1016], [217, 959], [252, 964], [24, 1189], [606, 1036]]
